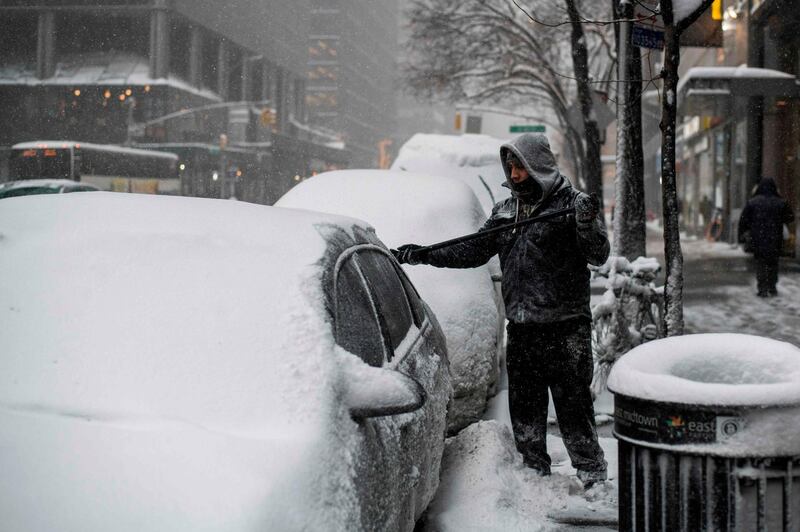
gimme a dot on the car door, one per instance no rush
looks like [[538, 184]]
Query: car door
[[380, 317]]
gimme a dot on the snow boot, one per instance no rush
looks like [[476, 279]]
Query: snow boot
[[590, 478]]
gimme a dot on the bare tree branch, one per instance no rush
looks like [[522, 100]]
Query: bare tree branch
[[489, 51], [582, 20]]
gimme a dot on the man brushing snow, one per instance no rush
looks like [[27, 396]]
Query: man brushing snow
[[546, 294]]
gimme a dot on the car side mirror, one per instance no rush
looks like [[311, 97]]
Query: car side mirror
[[375, 392]]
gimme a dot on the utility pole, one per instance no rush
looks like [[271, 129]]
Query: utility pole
[[593, 167]]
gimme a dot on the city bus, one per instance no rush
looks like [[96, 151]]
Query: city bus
[[108, 167]]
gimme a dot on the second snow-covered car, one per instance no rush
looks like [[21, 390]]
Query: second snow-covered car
[[175, 363], [410, 207], [470, 158]]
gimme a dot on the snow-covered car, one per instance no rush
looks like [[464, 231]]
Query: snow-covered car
[[472, 159], [174, 363], [30, 187], [409, 207]]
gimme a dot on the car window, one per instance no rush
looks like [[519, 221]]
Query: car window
[[79, 189], [356, 320], [394, 313]]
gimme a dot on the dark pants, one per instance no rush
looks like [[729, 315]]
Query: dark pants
[[767, 275], [557, 356]]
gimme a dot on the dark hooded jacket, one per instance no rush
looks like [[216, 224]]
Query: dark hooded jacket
[[545, 274], [763, 218]]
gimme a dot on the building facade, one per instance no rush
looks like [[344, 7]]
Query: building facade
[[741, 116], [352, 74], [220, 84]]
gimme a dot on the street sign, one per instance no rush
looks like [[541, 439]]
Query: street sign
[[529, 128], [647, 38], [648, 26]]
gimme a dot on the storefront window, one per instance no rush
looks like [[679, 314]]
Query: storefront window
[[739, 165]]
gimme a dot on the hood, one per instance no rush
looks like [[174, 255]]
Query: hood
[[151, 474], [766, 187], [535, 153]]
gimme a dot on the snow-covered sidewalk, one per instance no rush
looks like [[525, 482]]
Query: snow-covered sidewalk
[[730, 304], [486, 487]]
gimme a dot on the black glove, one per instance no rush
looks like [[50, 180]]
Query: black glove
[[410, 254], [586, 208]]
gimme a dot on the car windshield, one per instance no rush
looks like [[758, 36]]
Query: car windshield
[[27, 191]]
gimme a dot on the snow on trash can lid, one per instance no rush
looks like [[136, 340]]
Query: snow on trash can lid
[[720, 369]]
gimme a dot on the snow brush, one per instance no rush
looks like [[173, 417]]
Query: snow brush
[[495, 230]]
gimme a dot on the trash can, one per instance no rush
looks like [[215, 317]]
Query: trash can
[[708, 430]]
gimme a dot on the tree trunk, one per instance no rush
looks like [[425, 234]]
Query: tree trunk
[[576, 153], [637, 213], [629, 209], [673, 288], [593, 169]]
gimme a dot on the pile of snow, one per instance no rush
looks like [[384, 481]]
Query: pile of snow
[[473, 159], [407, 207], [486, 486]]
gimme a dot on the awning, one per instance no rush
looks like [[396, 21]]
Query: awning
[[710, 91], [103, 69]]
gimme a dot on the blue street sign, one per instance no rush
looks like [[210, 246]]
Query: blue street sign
[[647, 38]]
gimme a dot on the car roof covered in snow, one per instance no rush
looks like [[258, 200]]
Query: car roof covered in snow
[[472, 159], [400, 205], [128, 306]]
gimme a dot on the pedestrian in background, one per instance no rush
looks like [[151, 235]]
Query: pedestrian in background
[[761, 226], [706, 209], [546, 293]]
